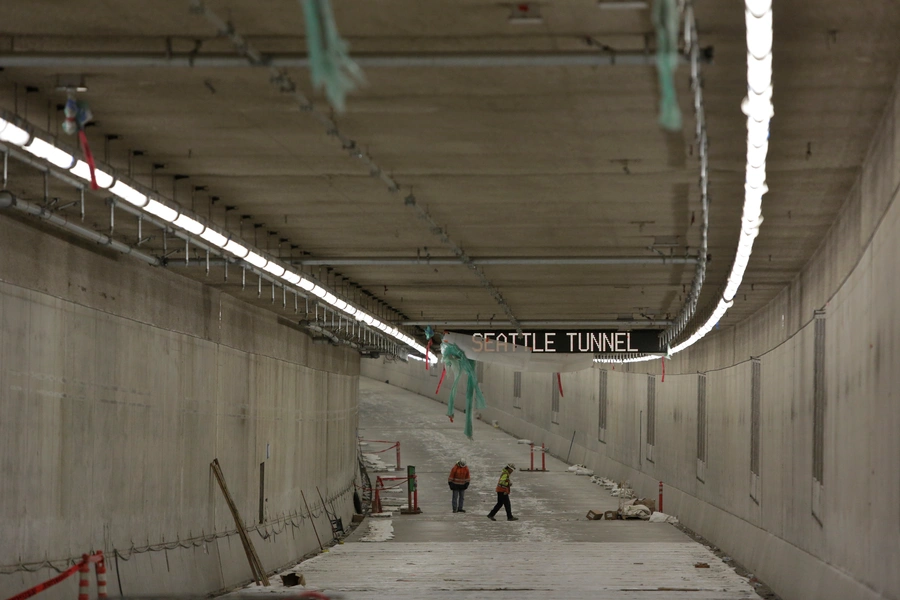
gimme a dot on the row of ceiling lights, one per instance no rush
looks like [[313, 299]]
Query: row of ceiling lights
[[757, 106], [225, 241]]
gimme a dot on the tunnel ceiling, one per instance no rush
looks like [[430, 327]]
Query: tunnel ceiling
[[529, 161]]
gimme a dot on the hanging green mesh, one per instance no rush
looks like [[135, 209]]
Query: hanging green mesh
[[665, 19], [329, 61], [454, 358]]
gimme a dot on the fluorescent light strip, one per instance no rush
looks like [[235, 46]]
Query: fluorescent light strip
[[274, 269], [256, 260], [83, 171], [13, 133], [161, 210], [132, 196], [627, 360], [40, 148], [214, 237], [55, 156], [757, 106]]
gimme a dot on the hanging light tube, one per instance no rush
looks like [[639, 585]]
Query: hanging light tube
[[757, 106], [47, 151], [13, 134], [131, 193], [161, 210]]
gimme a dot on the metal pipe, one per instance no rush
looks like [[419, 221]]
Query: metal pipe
[[511, 260], [369, 61], [8, 201], [527, 324]]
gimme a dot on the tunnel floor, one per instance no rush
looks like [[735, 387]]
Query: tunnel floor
[[552, 552]]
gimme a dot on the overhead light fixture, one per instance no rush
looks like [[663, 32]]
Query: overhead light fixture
[[161, 210], [256, 260], [132, 196], [13, 133], [214, 237], [622, 5], [237, 249], [83, 171], [757, 106], [274, 269], [189, 224], [71, 83], [50, 153], [40, 147]]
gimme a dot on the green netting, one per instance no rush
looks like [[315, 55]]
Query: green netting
[[665, 19], [329, 61], [455, 359]]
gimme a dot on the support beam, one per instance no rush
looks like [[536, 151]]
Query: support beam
[[368, 61], [511, 260], [10, 202], [612, 324]]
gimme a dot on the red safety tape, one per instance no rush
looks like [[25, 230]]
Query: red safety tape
[[88, 157], [440, 381], [664, 370], [559, 382], [51, 582]]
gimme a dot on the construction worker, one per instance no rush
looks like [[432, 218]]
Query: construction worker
[[503, 487], [459, 483]]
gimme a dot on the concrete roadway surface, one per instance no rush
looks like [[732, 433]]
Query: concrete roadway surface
[[552, 552]]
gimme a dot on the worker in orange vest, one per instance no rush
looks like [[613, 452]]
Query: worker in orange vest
[[503, 488], [459, 483]]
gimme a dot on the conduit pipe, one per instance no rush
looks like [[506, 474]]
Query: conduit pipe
[[8, 201], [371, 61], [513, 260]]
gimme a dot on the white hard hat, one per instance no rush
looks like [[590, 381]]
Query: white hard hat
[[461, 462], [511, 466]]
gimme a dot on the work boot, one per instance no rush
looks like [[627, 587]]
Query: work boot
[[512, 519], [460, 510], [454, 510], [491, 517]]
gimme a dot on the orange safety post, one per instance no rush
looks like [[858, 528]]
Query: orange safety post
[[100, 569], [376, 503], [660, 496], [398, 448], [543, 458], [83, 582]]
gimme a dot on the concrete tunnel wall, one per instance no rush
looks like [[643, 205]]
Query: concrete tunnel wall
[[835, 541], [119, 384]]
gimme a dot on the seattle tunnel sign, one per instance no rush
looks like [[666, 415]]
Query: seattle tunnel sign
[[581, 341]]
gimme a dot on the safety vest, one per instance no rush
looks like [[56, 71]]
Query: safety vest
[[504, 484], [459, 475]]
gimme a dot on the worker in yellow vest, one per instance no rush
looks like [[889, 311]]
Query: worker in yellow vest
[[459, 483], [503, 488]]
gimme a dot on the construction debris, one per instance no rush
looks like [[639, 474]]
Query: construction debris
[[659, 517]]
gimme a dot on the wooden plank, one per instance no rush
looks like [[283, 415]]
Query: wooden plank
[[259, 573]]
